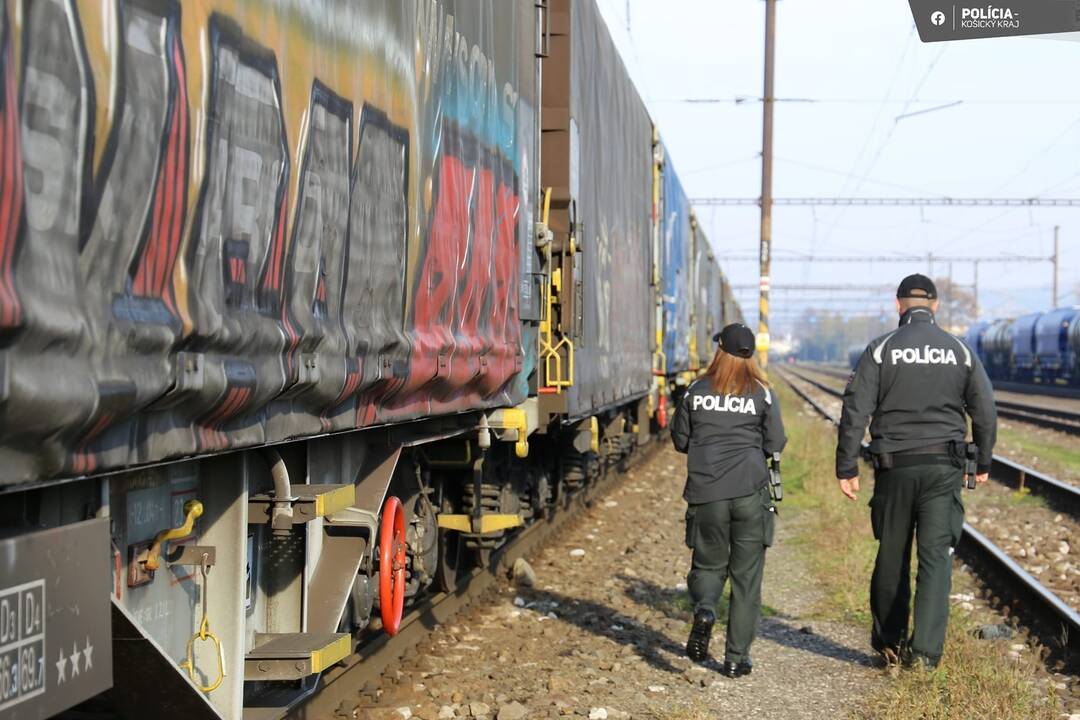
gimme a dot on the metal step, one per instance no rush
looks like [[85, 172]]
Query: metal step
[[309, 502], [294, 656]]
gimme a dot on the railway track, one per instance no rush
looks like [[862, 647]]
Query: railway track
[[1060, 420], [997, 569], [343, 686], [1058, 494], [1059, 391]]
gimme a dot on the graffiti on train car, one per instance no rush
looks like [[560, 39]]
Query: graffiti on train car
[[202, 247]]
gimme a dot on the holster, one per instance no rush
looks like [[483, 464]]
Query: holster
[[880, 461], [957, 453]]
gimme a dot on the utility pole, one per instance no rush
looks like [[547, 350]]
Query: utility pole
[[766, 181], [1054, 299], [975, 290], [948, 306]]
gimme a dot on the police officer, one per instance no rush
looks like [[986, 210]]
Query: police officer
[[728, 421], [916, 383]]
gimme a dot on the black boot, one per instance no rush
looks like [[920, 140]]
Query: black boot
[[733, 670], [697, 645], [911, 659]]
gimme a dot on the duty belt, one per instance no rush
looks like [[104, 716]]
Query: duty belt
[[942, 454]]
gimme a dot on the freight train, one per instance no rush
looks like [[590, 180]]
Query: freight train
[[306, 308], [1038, 347]]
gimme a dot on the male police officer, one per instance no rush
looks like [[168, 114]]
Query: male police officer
[[917, 383]]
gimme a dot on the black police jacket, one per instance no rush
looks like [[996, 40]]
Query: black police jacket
[[917, 383], [727, 438]]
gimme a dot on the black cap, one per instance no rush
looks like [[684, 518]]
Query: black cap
[[917, 286], [737, 339]]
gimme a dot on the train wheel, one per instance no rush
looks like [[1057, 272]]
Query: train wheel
[[450, 560], [451, 557], [392, 565]]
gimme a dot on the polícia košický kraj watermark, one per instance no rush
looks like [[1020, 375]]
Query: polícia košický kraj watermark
[[937, 20]]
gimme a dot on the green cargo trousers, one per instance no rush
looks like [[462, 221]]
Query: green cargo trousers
[[730, 537], [923, 500]]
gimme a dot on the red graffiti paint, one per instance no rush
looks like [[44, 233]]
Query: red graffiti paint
[[473, 289], [272, 284], [154, 272], [436, 293], [505, 331], [466, 335], [84, 460], [210, 434]]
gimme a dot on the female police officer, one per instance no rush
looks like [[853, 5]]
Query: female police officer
[[728, 422]]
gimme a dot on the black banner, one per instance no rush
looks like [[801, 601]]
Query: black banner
[[939, 20]]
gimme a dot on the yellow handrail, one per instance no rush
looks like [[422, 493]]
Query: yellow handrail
[[193, 509], [549, 348]]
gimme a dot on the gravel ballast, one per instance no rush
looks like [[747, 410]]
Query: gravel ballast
[[597, 630]]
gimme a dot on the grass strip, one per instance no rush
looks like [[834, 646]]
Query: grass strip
[[976, 678]]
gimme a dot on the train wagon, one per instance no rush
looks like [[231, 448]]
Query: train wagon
[[1024, 364], [995, 349], [1071, 361], [1039, 347], [1055, 358], [974, 336], [707, 289], [692, 307], [307, 307], [676, 232]]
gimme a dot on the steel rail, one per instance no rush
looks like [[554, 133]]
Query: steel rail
[[1038, 389], [995, 566], [341, 687], [1058, 494], [1065, 421]]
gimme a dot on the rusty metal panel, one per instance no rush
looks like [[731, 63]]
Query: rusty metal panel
[[55, 629], [604, 170], [292, 217]]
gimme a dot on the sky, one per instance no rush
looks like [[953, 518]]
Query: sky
[[1014, 134]]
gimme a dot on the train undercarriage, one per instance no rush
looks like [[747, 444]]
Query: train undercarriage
[[235, 580]]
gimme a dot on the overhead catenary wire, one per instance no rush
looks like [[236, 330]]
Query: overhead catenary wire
[[746, 100], [903, 111]]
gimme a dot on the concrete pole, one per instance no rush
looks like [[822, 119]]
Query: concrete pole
[[1054, 298], [766, 181], [976, 290]]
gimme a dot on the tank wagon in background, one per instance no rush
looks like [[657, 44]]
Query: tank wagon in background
[[1038, 347], [306, 307]]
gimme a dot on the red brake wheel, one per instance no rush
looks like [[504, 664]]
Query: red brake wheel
[[392, 565]]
